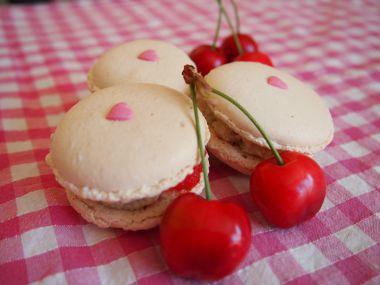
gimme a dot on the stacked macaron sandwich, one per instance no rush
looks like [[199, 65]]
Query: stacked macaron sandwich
[[127, 150]]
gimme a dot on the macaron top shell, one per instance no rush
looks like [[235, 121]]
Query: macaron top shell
[[100, 154], [146, 60], [292, 114]]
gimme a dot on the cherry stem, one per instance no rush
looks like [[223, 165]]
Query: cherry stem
[[278, 157], [200, 143], [234, 34], [236, 14], [217, 29]]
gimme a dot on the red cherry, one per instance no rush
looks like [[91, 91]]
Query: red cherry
[[229, 47], [204, 239], [207, 58], [291, 193], [255, 57]]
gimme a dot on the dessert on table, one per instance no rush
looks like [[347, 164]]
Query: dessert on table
[[132, 155]]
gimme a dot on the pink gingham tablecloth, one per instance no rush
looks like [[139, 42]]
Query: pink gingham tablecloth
[[45, 52]]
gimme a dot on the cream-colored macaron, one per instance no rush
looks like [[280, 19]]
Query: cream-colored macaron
[[150, 61], [117, 151], [291, 113]]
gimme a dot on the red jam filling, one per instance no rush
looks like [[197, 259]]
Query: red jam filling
[[190, 180]]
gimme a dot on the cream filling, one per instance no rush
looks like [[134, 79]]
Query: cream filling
[[247, 148], [227, 134], [131, 206], [124, 195], [146, 202]]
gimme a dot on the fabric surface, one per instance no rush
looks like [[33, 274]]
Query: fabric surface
[[45, 52]]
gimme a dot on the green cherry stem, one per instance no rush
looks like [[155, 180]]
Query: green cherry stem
[[200, 143], [236, 14], [278, 157], [236, 39], [217, 29]]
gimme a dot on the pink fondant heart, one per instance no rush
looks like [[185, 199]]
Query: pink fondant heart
[[148, 55], [277, 82], [120, 112]]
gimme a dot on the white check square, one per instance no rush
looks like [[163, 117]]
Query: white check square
[[34, 58], [21, 171], [31, 202], [56, 279], [42, 83], [355, 185], [259, 268], [50, 100], [309, 257], [9, 103], [39, 71], [327, 204], [14, 124], [94, 235], [354, 119], [355, 149], [53, 120], [19, 146], [354, 239], [77, 77], [9, 87], [324, 158], [38, 241], [120, 270]]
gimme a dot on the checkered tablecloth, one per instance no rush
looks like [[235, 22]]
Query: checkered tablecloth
[[45, 52]]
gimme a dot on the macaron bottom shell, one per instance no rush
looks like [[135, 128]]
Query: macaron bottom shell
[[231, 155], [134, 219]]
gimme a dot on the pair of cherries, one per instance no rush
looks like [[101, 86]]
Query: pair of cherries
[[207, 240], [207, 57]]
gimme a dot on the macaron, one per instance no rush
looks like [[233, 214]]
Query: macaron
[[150, 61], [293, 115], [125, 152]]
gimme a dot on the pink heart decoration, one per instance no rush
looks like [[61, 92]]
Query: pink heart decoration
[[120, 112], [148, 55], [277, 82]]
